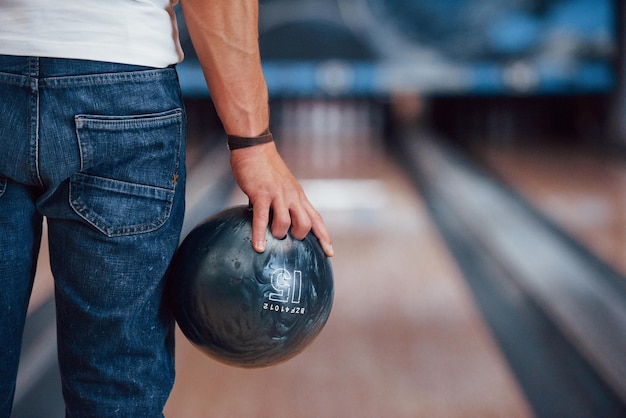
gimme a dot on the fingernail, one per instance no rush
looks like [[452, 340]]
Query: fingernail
[[329, 250], [260, 246]]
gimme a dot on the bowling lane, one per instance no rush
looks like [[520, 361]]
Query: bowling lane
[[581, 190], [405, 338]]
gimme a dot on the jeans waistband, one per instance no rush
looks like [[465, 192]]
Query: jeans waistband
[[43, 67]]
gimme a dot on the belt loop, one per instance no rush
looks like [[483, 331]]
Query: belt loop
[[33, 66]]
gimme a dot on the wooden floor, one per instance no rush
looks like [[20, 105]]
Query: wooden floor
[[581, 190]]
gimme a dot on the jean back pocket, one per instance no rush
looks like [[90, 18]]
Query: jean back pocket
[[129, 170]]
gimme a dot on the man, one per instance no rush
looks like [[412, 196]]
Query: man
[[92, 138]]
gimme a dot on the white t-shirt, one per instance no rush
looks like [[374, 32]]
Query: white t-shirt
[[140, 32]]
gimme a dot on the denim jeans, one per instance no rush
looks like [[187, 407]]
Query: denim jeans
[[98, 150]]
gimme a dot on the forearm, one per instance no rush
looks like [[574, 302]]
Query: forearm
[[225, 36]]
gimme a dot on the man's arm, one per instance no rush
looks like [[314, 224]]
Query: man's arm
[[225, 36]]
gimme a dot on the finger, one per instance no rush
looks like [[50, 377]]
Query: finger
[[281, 221], [260, 220], [318, 227], [325, 243], [300, 223]]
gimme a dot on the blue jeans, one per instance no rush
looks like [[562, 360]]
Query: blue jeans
[[98, 149]]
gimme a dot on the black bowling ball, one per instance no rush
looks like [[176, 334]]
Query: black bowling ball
[[245, 308]]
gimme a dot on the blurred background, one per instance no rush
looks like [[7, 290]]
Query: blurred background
[[468, 157]]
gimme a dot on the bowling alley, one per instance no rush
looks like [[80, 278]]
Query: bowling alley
[[467, 160]]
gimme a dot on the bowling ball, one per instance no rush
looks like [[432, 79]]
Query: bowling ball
[[244, 308]]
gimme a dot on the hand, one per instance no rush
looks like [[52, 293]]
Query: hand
[[262, 174]]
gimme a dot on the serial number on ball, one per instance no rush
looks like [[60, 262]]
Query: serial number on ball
[[282, 308]]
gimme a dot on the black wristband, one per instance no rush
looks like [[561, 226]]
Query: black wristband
[[237, 142]]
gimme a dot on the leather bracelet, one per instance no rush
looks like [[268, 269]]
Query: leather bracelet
[[237, 142]]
